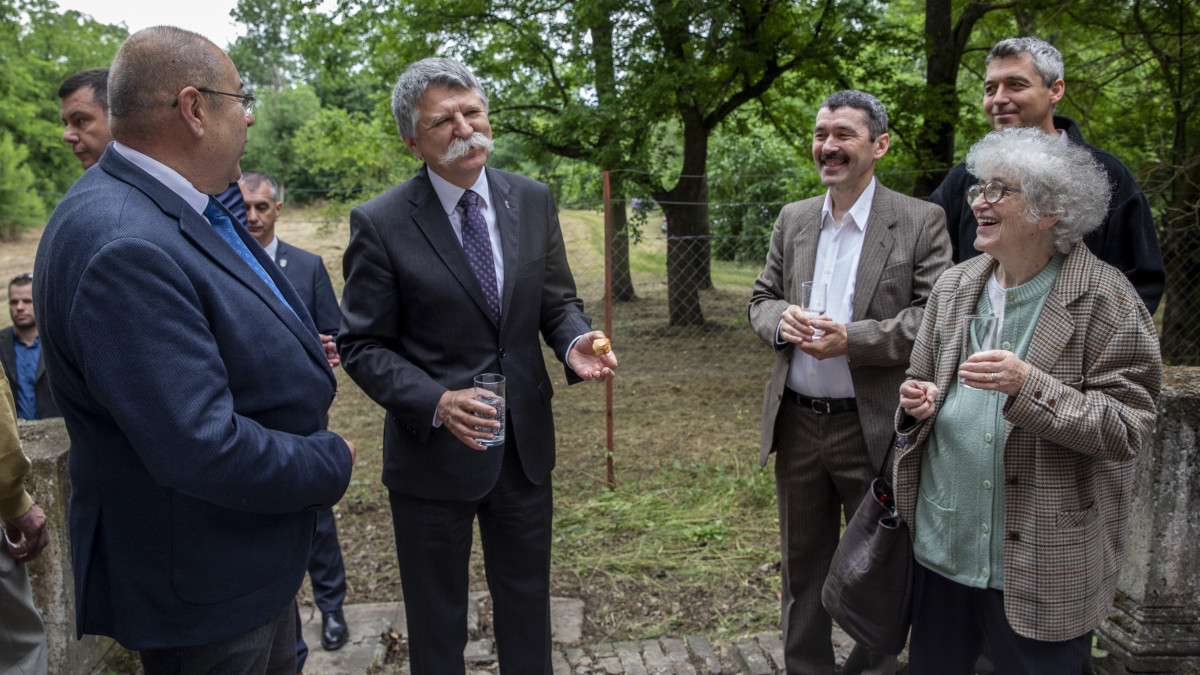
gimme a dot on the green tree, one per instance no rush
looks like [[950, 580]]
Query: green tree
[[40, 46], [272, 145], [617, 83], [20, 206]]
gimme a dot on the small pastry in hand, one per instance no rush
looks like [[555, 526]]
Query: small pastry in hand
[[601, 346]]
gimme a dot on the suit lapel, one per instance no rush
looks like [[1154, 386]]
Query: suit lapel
[[806, 239], [1055, 327], [281, 253], [508, 219], [199, 232], [878, 240], [427, 215]]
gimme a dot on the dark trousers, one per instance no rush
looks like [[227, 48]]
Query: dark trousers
[[952, 623], [327, 572], [433, 544], [266, 650], [822, 471]]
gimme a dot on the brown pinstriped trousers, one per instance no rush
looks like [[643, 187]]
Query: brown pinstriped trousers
[[822, 471]]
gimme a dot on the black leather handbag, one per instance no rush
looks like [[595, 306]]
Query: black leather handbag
[[869, 588]]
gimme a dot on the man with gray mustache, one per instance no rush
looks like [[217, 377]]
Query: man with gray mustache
[[452, 274], [828, 407]]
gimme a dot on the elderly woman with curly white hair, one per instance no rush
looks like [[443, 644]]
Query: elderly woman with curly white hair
[[1018, 467]]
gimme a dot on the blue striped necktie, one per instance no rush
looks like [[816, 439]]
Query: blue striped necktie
[[224, 227], [478, 247]]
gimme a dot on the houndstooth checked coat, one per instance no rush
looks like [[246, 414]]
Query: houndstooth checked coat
[[1074, 429]]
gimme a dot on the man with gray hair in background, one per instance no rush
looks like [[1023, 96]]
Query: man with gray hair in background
[[198, 454], [828, 407], [1021, 88], [452, 274]]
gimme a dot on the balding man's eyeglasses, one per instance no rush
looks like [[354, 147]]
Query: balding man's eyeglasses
[[247, 100], [992, 192]]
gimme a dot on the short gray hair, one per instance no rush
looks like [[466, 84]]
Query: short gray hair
[[877, 119], [252, 179], [421, 75], [152, 66], [1047, 60], [1057, 179]]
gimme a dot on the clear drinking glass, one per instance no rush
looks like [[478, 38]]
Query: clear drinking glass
[[813, 297], [489, 389], [980, 334]]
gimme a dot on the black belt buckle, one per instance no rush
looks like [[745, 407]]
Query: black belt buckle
[[817, 404]]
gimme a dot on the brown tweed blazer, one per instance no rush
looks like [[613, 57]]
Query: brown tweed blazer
[[1073, 430], [905, 248]]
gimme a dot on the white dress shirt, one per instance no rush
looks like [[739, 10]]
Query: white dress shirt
[[165, 175], [838, 253]]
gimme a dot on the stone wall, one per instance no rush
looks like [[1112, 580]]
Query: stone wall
[[1154, 626], [45, 443]]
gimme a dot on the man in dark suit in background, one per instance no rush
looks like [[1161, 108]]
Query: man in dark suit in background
[[451, 274], [21, 355], [191, 379], [828, 407], [306, 271]]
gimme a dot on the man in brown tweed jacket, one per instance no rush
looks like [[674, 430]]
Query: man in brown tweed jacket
[[827, 410]]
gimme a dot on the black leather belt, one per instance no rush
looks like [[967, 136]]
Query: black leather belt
[[822, 406]]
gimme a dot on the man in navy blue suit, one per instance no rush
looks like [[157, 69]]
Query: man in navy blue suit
[[191, 379], [306, 271]]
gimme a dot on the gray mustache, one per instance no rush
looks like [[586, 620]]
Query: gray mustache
[[461, 146]]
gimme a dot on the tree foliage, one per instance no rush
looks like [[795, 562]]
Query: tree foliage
[[41, 45]]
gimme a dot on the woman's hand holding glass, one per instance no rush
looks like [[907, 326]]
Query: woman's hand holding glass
[[997, 369]]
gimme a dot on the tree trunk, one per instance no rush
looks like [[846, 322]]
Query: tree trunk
[[688, 240], [622, 281], [935, 146], [1181, 254], [606, 95]]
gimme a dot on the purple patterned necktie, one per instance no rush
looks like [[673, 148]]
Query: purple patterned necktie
[[478, 247]]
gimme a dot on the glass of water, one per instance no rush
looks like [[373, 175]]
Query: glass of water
[[981, 333], [813, 296], [489, 390]]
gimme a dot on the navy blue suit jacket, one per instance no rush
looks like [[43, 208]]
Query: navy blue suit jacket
[[194, 400], [309, 277], [415, 324]]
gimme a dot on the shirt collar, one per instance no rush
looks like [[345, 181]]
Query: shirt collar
[[165, 175], [272, 247], [448, 193], [859, 213]]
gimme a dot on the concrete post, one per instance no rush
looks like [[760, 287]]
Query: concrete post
[[1154, 626], [45, 443]]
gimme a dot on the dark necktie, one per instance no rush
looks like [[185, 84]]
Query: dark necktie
[[224, 227], [478, 247]]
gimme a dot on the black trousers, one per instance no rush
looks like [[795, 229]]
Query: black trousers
[[433, 544], [952, 623], [269, 649]]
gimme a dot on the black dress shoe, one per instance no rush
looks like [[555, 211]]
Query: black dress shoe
[[334, 632]]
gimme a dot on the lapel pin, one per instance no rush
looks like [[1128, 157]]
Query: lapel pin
[[506, 204]]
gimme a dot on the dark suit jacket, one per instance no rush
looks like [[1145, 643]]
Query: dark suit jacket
[[309, 277], [41, 384], [415, 324], [904, 249], [194, 400]]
